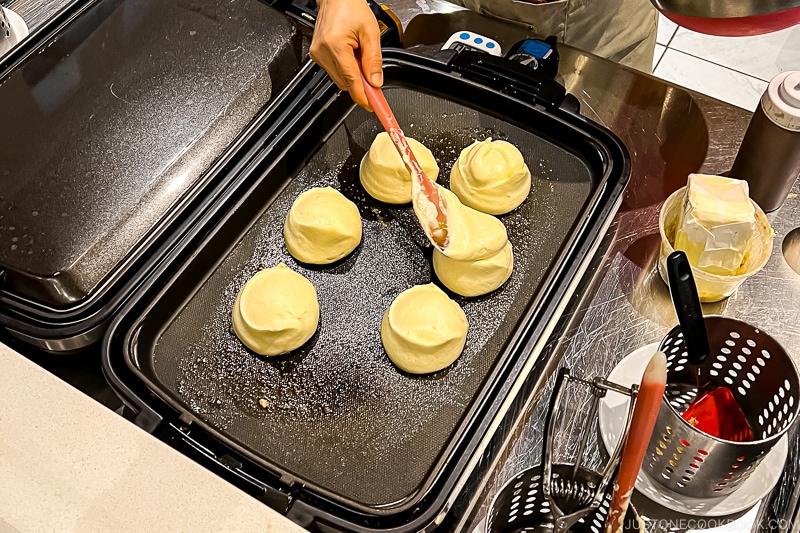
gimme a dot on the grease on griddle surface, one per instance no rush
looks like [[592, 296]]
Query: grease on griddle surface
[[338, 413]]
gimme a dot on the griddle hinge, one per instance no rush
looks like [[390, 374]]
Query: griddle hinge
[[276, 500], [146, 418], [508, 77], [187, 419]]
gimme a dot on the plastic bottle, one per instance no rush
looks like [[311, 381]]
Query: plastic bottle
[[769, 157]]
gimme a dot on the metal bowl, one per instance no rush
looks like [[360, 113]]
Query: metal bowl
[[733, 18]]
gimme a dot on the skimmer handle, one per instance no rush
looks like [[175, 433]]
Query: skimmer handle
[[687, 306]]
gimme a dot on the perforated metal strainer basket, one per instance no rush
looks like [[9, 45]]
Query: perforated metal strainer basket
[[563, 497], [521, 505], [765, 384]]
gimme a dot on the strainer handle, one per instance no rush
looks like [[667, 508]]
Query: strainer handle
[[599, 387], [683, 290]]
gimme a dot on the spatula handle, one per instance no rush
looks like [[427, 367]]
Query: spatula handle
[[379, 104], [683, 290], [384, 113], [386, 117]]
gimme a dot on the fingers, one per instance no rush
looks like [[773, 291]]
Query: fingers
[[349, 71], [323, 55], [371, 60], [340, 62]]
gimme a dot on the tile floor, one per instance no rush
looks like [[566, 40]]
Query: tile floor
[[733, 69]]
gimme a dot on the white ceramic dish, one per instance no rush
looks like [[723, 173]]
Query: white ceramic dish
[[17, 24], [20, 28], [612, 413]]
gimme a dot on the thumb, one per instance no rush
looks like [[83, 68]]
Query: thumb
[[371, 60]]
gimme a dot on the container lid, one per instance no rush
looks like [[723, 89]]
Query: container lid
[[108, 126], [781, 100]]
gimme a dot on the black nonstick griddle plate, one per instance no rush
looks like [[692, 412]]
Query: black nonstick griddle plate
[[337, 416]]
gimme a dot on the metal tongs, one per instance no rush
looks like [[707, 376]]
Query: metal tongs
[[437, 224], [572, 498]]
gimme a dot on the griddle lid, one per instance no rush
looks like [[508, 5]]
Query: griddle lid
[[113, 122]]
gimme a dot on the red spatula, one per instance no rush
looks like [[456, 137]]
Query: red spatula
[[717, 413], [437, 225]]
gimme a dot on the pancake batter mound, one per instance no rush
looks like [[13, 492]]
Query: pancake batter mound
[[491, 176], [423, 330], [383, 174], [276, 311], [474, 278], [322, 227], [471, 235]]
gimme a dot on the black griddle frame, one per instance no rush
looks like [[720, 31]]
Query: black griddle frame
[[310, 508]]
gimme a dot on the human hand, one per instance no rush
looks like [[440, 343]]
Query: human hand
[[346, 30]]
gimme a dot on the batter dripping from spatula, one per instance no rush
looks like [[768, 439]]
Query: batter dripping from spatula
[[454, 229]]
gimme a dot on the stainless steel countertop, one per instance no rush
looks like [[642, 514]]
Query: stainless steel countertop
[[621, 303], [35, 12], [625, 304]]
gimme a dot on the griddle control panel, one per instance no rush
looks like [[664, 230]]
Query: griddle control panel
[[541, 55], [468, 40]]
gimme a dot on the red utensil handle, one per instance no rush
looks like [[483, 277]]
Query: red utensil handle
[[645, 413], [384, 113], [379, 104]]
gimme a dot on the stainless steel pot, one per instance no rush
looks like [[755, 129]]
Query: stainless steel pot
[[731, 17]]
